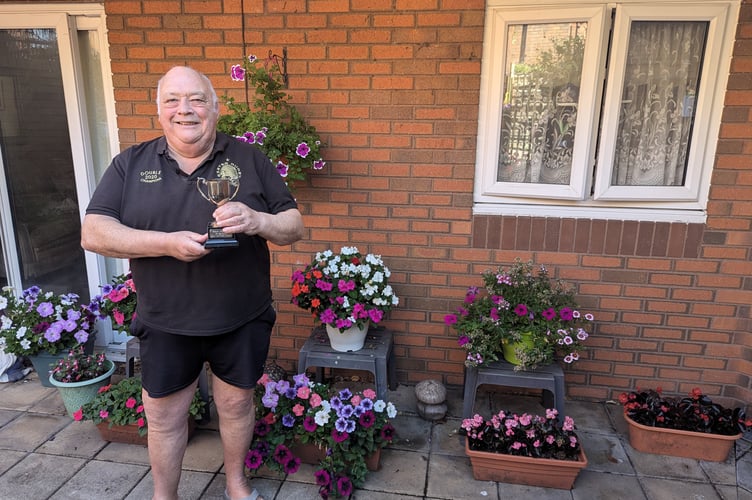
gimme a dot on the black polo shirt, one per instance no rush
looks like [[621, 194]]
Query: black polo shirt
[[144, 188]]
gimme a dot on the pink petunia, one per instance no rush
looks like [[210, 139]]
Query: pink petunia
[[304, 392], [315, 400]]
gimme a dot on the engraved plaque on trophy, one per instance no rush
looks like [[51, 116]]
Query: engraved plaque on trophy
[[218, 192]]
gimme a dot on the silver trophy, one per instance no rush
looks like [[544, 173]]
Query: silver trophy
[[218, 192]]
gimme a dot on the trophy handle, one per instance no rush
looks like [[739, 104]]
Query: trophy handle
[[199, 182], [237, 187]]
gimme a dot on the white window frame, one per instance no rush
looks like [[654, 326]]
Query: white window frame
[[670, 203]]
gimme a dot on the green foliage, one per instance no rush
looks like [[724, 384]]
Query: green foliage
[[42, 321], [348, 427], [274, 125], [517, 301], [695, 413], [78, 366], [122, 404]]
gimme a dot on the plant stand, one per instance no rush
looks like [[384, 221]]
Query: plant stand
[[677, 443], [542, 472], [377, 357], [549, 378]]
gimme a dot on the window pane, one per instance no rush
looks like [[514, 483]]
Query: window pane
[[38, 164], [539, 114], [657, 112]]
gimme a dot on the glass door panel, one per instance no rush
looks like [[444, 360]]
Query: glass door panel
[[42, 205]]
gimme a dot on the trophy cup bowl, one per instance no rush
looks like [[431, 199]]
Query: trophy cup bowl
[[218, 192]]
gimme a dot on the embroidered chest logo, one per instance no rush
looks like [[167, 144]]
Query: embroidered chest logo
[[150, 176], [228, 170]]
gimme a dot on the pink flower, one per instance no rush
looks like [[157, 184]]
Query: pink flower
[[104, 414], [130, 403], [141, 422], [298, 409], [369, 393], [304, 392], [78, 415], [315, 400], [140, 409], [119, 317], [355, 400]]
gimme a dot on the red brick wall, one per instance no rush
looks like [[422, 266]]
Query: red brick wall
[[393, 88]]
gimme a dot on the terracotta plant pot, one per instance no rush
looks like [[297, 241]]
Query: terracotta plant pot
[[311, 454], [686, 444], [128, 434], [542, 472]]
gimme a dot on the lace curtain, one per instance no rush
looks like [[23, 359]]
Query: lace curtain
[[657, 109]]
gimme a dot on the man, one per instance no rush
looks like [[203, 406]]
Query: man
[[194, 304]]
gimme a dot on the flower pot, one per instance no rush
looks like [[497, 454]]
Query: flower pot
[[678, 443], [77, 394], [352, 339], [509, 349], [312, 454], [42, 362], [542, 472], [128, 434]]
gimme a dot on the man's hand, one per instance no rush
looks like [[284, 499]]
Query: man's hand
[[283, 228]]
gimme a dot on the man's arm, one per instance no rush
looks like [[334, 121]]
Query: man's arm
[[107, 236]]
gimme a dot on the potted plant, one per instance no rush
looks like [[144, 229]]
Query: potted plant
[[117, 302], [346, 292], [41, 324], [522, 314], [303, 421], [689, 427], [79, 376], [536, 450], [118, 412], [271, 123]]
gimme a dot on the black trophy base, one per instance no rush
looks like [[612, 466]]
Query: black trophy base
[[220, 239], [221, 243]]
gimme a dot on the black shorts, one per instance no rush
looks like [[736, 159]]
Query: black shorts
[[172, 362]]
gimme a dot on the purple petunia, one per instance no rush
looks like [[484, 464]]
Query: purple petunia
[[45, 309], [302, 150], [237, 73]]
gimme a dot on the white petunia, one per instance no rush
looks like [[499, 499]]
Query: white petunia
[[5, 323], [379, 406], [391, 411], [26, 343], [21, 332]]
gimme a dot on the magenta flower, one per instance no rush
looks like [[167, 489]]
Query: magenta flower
[[254, 459], [237, 73], [302, 150], [521, 310]]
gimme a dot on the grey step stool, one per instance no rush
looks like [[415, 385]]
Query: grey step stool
[[133, 350], [376, 356], [549, 378]]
